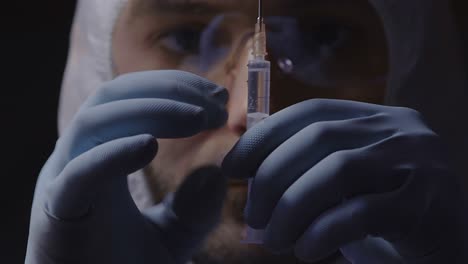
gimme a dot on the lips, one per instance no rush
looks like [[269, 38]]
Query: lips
[[237, 183]]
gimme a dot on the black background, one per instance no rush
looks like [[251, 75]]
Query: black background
[[34, 38]]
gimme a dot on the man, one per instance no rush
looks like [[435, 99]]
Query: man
[[377, 184]]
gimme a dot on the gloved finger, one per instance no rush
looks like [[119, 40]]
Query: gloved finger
[[164, 84], [161, 118], [371, 250], [187, 217], [303, 151], [258, 142], [339, 176], [351, 221], [81, 181]]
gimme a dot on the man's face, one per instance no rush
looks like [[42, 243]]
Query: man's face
[[318, 49]]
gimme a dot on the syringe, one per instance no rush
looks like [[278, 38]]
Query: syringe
[[259, 96]]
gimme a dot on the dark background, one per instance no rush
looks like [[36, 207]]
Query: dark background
[[34, 38]]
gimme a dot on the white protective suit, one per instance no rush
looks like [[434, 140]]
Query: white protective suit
[[427, 71]]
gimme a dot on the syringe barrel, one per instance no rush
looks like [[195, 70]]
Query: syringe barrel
[[258, 109], [259, 91]]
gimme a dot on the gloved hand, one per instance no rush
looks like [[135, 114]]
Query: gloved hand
[[82, 210], [333, 174]]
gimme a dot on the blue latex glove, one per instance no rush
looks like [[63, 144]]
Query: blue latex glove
[[82, 210], [332, 174]]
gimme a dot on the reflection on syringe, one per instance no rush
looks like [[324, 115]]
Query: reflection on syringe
[[259, 91]]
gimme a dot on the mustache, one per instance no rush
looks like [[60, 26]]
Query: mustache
[[162, 186]]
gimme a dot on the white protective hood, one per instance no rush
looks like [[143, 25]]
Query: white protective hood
[[427, 71], [89, 61]]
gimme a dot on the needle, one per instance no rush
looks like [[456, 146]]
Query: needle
[[260, 9]]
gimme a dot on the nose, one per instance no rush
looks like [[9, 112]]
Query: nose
[[237, 105], [237, 87], [232, 73]]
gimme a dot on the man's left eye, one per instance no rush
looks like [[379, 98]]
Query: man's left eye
[[185, 41]]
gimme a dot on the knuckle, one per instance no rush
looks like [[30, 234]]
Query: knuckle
[[409, 112], [322, 130], [348, 169], [416, 138], [82, 120], [106, 89], [402, 138], [413, 112], [103, 92], [317, 103], [49, 188], [285, 205], [341, 158], [383, 117]]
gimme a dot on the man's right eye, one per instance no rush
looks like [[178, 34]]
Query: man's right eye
[[183, 41]]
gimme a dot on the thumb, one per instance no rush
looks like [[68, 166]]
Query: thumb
[[187, 216]]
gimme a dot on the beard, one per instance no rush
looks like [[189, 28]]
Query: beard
[[223, 244], [177, 159]]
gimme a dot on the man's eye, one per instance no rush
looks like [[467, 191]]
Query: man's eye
[[185, 41], [330, 35], [308, 50], [298, 40]]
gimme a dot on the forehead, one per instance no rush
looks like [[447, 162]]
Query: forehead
[[188, 5], [248, 6]]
